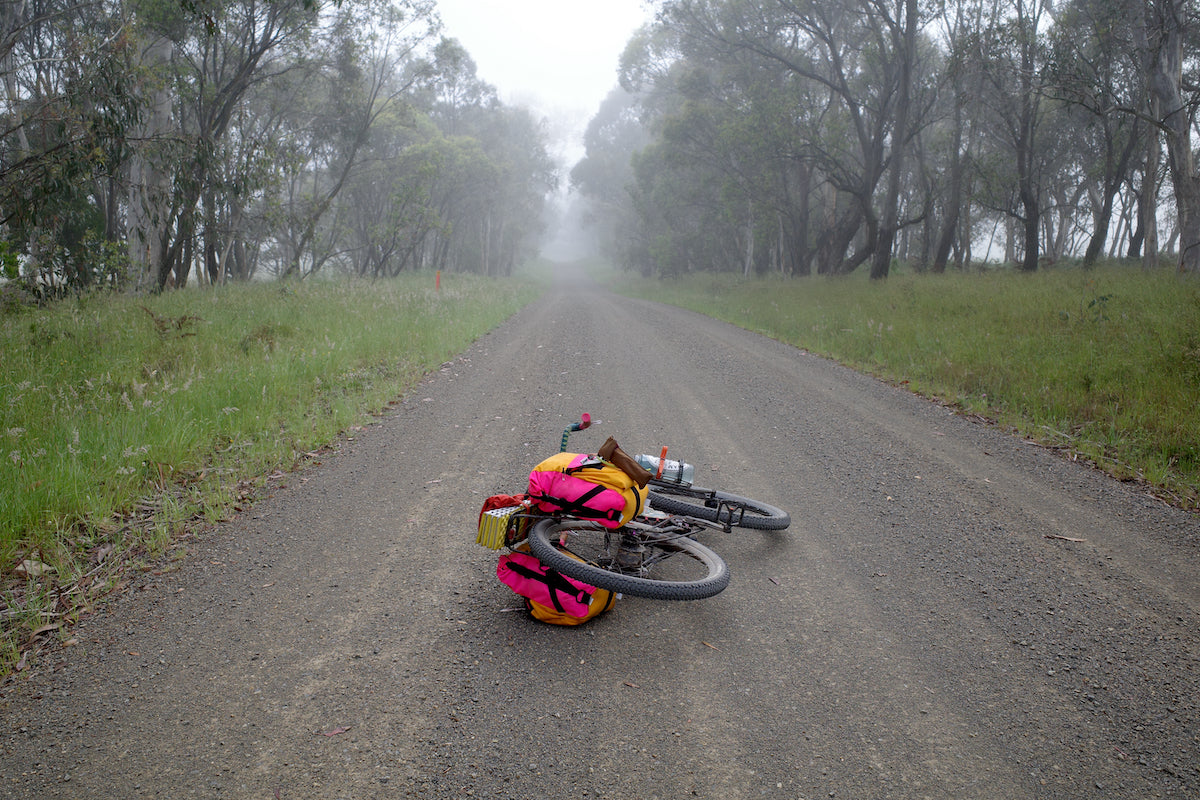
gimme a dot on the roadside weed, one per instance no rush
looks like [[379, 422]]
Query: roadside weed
[[123, 419]]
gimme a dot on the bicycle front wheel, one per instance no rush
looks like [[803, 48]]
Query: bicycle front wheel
[[659, 566], [717, 506]]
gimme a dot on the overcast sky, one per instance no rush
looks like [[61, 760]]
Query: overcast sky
[[558, 57]]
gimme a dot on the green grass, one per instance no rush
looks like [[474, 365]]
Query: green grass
[[1104, 364], [123, 419]]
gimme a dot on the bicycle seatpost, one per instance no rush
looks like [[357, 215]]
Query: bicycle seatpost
[[584, 422]]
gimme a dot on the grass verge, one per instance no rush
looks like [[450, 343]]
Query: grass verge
[[125, 419], [1103, 364]]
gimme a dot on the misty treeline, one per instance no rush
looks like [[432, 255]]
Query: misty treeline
[[146, 143], [818, 136]]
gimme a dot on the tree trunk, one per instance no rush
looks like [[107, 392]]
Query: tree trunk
[[1029, 204], [149, 195], [485, 242], [748, 259], [1114, 176], [950, 225], [836, 241], [11, 15], [797, 252], [1148, 205], [1166, 80], [906, 50]]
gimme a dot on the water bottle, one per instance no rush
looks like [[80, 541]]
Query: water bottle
[[673, 471]]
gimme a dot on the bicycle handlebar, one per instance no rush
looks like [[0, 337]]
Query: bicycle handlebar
[[585, 421]]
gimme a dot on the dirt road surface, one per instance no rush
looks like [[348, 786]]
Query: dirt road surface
[[954, 613]]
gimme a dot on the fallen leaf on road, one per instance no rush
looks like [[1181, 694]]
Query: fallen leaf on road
[[49, 626], [32, 568], [334, 732]]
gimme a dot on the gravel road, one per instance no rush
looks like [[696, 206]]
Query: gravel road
[[954, 613]]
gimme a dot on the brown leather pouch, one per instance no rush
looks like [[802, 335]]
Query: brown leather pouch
[[611, 452]]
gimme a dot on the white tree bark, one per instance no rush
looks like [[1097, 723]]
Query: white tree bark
[[149, 177]]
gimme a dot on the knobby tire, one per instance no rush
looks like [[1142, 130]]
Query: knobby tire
[[717, 506]]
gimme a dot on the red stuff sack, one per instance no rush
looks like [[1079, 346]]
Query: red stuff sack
[[500, 501]]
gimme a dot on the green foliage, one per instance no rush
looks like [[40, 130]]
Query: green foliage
[[820, 136], [9, 261], [248, 138], [63, 143], [1103, 363], [125, 418]]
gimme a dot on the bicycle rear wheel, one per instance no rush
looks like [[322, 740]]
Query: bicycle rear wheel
[[717, 506], [643, 564]]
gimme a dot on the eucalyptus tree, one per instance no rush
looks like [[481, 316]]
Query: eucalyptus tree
[[148, 170], [243, 213], [863, 56], [494, 165], [235, 154], [728, 167], [219, 136], [372, 73], [386, 206], [517, 147], [451, 91], [678, 208], [458, 203], [1169, 35], [1098, 71], [896, 28], [671, 188], [947, 147], [65, 112], [687, 188], [604, 176], [1013, 59], [692, 184], [486, 192], [758, 131], [216, 61]]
